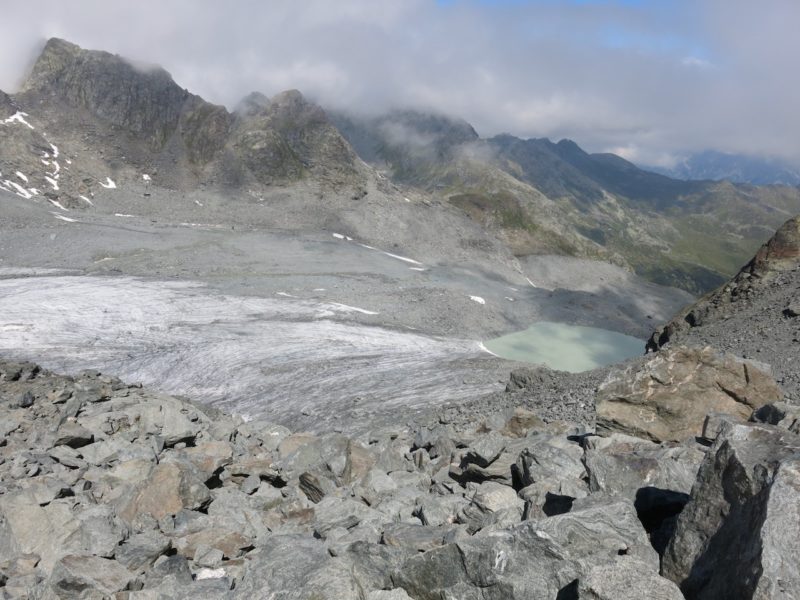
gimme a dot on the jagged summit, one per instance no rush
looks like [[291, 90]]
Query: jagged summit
[[111, 117], [146, 102], [251, 104]]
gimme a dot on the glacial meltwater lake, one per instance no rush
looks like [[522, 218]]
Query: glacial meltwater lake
[[572, 348]]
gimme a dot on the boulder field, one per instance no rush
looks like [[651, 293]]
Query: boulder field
[[108, 490]]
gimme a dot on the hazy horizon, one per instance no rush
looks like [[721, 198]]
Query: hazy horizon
[[650, 80]]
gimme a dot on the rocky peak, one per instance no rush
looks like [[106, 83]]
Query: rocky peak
[[287, 137], [143, 100], [781, 252], [252, 104], [290, 111]]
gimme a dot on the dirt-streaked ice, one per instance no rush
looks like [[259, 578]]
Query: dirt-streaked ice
[[262, 357]]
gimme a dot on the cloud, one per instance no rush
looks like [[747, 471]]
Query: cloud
[[657, 78]]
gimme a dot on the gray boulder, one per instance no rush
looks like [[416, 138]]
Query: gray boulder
[[739, 535], [517, 564], [80, 577], [626, 579]]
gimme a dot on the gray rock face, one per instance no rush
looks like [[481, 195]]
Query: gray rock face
[[738, 535], [668, 396]]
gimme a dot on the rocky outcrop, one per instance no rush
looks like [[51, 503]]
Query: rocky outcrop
[[143, 99], [779, 255], [738, 535], [668, 395], [108, 116]]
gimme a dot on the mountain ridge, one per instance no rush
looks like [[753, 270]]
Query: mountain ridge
[[114, 120]]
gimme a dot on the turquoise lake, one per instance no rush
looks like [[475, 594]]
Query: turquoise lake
[[572, 348]]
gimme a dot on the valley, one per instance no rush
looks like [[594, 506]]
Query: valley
[[281, 352]]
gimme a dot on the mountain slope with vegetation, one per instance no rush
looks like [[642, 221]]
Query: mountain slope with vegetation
[[543, 195]]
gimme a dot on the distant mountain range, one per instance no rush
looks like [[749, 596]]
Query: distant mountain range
[[110, 122], [738, 168], [541, 196]]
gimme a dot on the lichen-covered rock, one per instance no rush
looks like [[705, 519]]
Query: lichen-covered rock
[[668, 394], [169, 488]]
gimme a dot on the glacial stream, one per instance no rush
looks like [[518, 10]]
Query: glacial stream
[[572, 348]]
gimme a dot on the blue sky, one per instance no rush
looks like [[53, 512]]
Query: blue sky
[[652, 80]]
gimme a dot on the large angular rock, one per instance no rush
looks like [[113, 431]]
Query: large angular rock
[[599, 532], [169, 488], [668, 394], [80, 577], [739, 535], [626, 579], [297, 568], [517, 564], [27, 528], [622, 465]]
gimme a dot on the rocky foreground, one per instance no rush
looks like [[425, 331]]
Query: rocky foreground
[[108, 490]]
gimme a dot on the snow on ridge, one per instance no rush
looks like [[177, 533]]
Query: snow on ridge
[[18, 189], [17, 117]]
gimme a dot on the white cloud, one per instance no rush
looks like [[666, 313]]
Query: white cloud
[[664, 78]]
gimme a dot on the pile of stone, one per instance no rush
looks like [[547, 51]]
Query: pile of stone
[[111, 491]]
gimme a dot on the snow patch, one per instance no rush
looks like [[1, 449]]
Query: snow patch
[[210, 574], [146, 177], [55, 150], [198, 203], [284, 294], [420, 269], [347, 308], [338, 236], [124, 215], [53, 183], [22, 176], [477, 299], [85, 199], [529, 281], [63, 218], [18, 117], [397, 256], [109, 184], [18, 189], [57, 204]]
